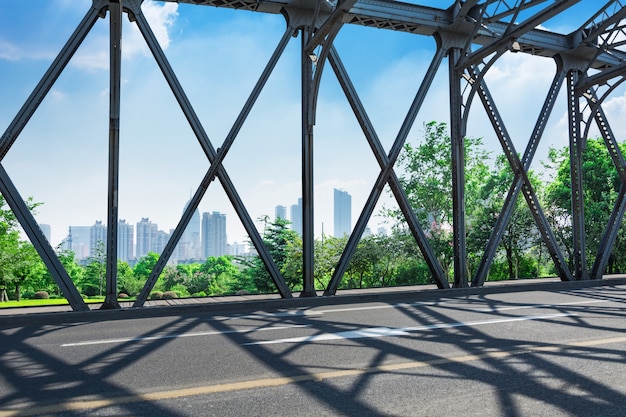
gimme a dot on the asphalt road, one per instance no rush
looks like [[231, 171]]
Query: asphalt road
[[550, 352]]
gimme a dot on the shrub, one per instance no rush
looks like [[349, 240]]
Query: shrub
[[41, 295], [156, 295], [199, 294], [167, 295]]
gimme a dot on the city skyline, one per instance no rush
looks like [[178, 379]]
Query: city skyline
[[200, 240], [60, 158]]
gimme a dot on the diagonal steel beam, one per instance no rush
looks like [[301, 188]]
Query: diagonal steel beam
[[39, 241], [330, 25], [514, 190], [52, 74], [591, 29], [617, 215], [214, 157], [387, 174], [520, 170], [585, 83], [515, 31]]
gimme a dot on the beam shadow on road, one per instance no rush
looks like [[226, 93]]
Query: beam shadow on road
[[36, 377]]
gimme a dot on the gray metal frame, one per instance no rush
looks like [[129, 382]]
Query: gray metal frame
[[473, 34]]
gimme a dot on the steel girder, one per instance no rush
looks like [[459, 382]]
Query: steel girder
[[473, 34]]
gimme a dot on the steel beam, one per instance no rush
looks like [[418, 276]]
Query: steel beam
[[586, 83], [39, 241], [520, 171], [514, 31], [617, 214], [52, 74], [308, 117], [115, 71], [331, 25], [457, 136], [514, 190], [387, 175], [576, 148], [216, 168]]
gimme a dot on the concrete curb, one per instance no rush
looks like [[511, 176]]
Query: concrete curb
[[38, 316]]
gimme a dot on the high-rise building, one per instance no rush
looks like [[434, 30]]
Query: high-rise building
[[342, 213], [47, 231], [214, 241], [281, 212], [146, 237], [78, 241], [125, 240], [97, 239], [188, 246], [296, 217]]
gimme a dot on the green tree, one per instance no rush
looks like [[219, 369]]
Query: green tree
[[600, 188], [15, 253], [520, 234], [95, 271], [425, 173], [281, 243]]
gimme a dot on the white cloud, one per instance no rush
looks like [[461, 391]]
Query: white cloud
[[161, 19], [93, 55]]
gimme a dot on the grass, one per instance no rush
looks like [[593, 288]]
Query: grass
[[49, 302]]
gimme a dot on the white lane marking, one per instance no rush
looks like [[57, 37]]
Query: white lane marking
[[176, 336], [572, 303], [451, 301], [291, 313], [441, 302], [386, 332]]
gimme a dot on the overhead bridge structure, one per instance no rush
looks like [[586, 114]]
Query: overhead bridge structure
[[470, 36]]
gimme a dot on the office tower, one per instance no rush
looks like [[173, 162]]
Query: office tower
[[160, 241], [125, 240], [47, 231], [296, 217], [146, 236], [97, 239], [188, 246], [342, 213], [78, 241], [214, 242], [281, 212]]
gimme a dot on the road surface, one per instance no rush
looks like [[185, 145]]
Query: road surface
[[549, 352]]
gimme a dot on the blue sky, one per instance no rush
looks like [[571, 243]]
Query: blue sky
[[61, 157]]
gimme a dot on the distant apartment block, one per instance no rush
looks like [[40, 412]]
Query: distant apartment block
[[281, 213], [125, 241], [214, 241], [342, 213], [296, 217]]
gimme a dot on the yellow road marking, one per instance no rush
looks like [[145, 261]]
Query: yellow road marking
[[85, 404]]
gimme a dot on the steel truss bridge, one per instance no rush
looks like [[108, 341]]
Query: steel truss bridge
[[471, 34]]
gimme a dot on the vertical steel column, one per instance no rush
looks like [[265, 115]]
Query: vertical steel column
[[457, 136], [308, 237], [115, 48], [576, 147]]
